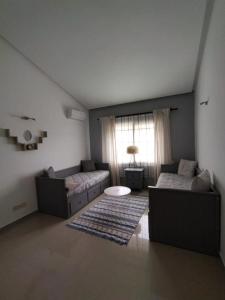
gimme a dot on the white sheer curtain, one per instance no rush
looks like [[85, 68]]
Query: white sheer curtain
[[149, 132], [163, 153], [109, 152], [136, 130]]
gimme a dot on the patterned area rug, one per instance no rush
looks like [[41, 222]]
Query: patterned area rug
[[112, 218]]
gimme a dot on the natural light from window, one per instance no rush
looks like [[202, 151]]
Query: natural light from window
[[138, 131]]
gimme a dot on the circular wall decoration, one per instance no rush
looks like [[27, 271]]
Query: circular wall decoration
[[27, 135]]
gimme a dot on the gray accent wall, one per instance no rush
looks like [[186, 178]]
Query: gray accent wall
[[182, 122], [210, 120]]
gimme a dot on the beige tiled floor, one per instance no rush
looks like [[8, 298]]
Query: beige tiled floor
[[42, 259]]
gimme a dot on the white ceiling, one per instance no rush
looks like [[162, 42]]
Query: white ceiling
[[109, 52]]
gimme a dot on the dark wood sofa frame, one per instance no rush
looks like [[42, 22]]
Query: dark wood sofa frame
[[185, 219], [52, 193]]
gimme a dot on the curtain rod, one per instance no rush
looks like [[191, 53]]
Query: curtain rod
[[144, 113]]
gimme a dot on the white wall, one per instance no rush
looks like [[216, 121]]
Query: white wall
[[210, 120], [24, 90]]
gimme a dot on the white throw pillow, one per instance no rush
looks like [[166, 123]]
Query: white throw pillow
[[187, 168], [202, 182]]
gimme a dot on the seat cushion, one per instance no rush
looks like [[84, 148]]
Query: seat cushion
[[85, 180], [70, 183], [174, 181]]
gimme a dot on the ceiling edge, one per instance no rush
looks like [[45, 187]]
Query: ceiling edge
[[142, 100], [203, 38], [40, 70]]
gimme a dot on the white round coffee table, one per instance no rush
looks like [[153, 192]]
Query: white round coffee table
[[117, 191]]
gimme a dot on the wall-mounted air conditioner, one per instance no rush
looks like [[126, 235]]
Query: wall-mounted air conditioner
[[76, 114]]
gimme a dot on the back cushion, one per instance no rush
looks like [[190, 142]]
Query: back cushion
[[202, 182], [187, 168], [88, 165]]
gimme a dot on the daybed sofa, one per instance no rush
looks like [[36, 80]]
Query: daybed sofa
[[65, 192], [181, 217]]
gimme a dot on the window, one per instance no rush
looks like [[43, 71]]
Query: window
[[135, 130]]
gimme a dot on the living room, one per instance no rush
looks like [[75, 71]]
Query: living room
[[112, 149]]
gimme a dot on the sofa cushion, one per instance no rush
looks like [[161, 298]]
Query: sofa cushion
[[50, 172], [88, 165], [70, 183], [85, 180], [174, 181], [187, 168], [202, 182]]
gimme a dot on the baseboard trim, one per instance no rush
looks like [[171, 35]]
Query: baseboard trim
[[18, 220], [222, 259]]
